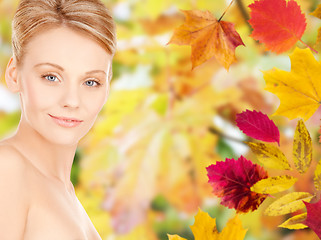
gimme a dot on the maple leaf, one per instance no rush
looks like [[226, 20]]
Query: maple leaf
[[258, 125], [277, 23], [208, 37], [299, 91], [204, 228], [313, 219], [232, 180]]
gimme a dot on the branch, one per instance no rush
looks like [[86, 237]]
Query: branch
[[244, 13], [219, 133]]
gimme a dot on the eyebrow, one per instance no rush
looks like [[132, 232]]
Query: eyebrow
[[62, 69]]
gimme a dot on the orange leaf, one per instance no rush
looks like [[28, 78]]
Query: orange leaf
[[208, 38], [277, 23]]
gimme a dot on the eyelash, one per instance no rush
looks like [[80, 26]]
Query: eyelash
[[44, 76]]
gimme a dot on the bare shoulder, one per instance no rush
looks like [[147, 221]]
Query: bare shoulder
[[13, 170], [11, 159], [14, 203]]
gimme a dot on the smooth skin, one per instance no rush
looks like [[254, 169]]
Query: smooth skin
[[59, 75]]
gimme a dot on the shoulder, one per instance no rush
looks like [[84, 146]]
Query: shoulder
[[14, 203], [11, 161], [13, 170]]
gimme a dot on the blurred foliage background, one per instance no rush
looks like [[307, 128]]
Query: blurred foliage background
[[140, 172]]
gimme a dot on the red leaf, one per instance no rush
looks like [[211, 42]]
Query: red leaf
[[277, 23], [258, 125], [232, 180], [313, 219]]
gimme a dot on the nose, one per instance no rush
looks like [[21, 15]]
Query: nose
[[70, 96]]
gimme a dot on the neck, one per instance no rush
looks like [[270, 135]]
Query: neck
[[52, 160]]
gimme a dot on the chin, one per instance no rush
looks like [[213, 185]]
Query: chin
[[65, 140], [66, 137]]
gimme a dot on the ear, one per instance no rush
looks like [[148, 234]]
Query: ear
[[11, 75]]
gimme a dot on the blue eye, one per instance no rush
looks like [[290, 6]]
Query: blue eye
[[92, 82], [50, 78]]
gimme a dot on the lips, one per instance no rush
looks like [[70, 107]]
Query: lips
[[66, 122], [66, 119]]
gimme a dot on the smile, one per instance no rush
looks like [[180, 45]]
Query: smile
[[66, 122]]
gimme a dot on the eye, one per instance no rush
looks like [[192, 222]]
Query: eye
[[50, 77], [92, 83]]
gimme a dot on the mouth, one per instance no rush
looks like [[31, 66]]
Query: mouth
[[66, 119]]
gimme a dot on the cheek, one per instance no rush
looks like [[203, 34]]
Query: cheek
[[38, 96], [93, 102]]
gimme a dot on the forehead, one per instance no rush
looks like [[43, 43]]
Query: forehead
[[68, 48]]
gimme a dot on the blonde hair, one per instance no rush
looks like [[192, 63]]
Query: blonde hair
[[88, 16]]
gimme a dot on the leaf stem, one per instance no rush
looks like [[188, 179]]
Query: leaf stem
[[312, 49], [225, 11]]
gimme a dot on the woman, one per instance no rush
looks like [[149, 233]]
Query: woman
[[61, 67]]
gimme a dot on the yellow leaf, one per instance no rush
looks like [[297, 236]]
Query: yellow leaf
[[175, 237], [299, 91], [208, 38], [204, 228], [295, 222], [317, 177], [302, 148], [317, 12], [233, 230], [273, 185], [289, 203], [269, 155]]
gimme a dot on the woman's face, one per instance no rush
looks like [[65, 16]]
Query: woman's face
[[64, 74]]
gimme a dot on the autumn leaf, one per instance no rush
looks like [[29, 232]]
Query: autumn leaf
[[295, 222], [208, 38], [204, 228], [277, 23], [258, 125], [233, 230], [289, 203], [175, 237], [313, 219], [302, 148], [232, 179], [299, 91], [269, 155], [273, 185]]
